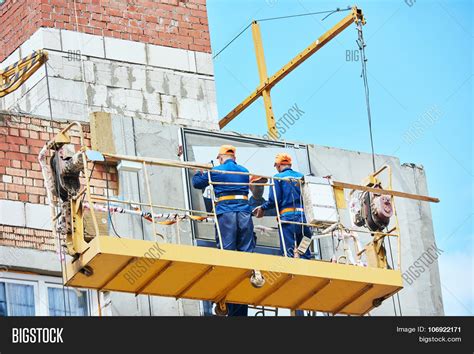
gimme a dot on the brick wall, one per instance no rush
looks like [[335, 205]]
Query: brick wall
[[19, 20], [21, 139], [24, 237], [173, 23]]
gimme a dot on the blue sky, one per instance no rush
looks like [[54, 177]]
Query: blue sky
[[420, 72]]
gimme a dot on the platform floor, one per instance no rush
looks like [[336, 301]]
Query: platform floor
[[180, 271]]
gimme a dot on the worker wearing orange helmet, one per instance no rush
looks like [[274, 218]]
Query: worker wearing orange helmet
[[234, 215], [290, 205]]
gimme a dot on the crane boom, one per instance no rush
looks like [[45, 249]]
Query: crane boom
[[13, 76], [265, 86]]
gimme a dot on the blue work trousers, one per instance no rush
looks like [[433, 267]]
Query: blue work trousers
[[293, 234], [237, 235], [236, 231]]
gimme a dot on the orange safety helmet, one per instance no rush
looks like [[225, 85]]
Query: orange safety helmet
[[226, 150], [283, 159], [254, 179]]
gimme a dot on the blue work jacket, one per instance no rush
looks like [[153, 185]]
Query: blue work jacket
[[288, 193], [201, 181]]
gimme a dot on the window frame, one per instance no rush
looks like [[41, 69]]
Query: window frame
[[184, 135], [22, 282], [40, 284], [48, 285]]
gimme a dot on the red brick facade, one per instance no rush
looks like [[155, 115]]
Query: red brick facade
[[19, 20], [21, 139], [23, 237], [173, 23], [21, 179]]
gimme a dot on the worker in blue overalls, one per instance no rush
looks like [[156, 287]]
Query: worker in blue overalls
[[290, 205], [234, 215]]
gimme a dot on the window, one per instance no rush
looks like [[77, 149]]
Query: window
[[255, 154], [67, 302], [37, 295], [16, 299]]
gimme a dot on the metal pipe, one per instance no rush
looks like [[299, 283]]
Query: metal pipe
[[380, 170], [172, 163], [147, 184], [241, 184], [98, 198], [159, 162], [213, 198], [252, 174], [330, 228], [301, 223], [363, 231], [282, 239]]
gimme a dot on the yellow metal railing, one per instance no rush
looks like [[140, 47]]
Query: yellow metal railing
[[77, 203]]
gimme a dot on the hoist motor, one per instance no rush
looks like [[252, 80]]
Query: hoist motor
[[371, 210], [66, 166]]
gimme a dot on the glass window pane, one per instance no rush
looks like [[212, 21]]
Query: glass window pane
[[67, 302], [257, 156], [3, 300], [21, 299]]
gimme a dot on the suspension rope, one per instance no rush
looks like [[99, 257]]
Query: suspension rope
[[328, 12], [58, 207], [337, 10], [393, 267], [361, 43], [231, 41]]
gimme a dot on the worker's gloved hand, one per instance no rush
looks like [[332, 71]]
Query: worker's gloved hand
[[258, 212]]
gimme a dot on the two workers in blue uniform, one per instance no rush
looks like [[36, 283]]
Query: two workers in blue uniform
[[234, 213]]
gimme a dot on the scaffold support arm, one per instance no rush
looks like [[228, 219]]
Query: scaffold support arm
[[354, 16], [13, 76]]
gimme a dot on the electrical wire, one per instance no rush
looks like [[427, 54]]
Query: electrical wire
[[108, 201]]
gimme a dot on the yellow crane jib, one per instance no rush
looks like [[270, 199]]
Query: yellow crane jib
[[267, 83], [13, 76]]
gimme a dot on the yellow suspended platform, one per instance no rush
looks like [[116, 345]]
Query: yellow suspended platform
[[181, 271]]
